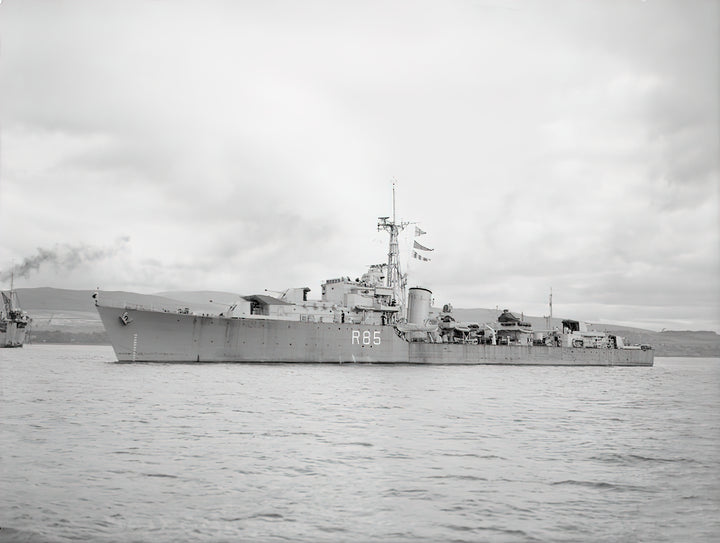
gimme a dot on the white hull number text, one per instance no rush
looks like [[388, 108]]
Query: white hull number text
[[365, 337]]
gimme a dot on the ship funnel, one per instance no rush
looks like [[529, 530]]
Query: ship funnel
[[419, 300]]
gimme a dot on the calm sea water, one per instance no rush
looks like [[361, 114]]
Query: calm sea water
[[94, 450]]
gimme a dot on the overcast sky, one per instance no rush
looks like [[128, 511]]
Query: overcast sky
[[238, 146]]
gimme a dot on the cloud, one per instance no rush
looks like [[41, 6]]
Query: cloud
[[250, 146]]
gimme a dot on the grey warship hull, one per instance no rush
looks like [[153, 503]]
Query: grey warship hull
[[372, 319], [147, 335]]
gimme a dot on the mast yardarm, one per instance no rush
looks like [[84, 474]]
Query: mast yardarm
[[395, 278]]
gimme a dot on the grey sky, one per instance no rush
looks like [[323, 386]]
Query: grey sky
[[248, 145]]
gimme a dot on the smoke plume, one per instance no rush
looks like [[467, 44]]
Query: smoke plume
[[65, 257]]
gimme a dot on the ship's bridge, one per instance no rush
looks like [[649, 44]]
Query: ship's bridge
[[346, 292]]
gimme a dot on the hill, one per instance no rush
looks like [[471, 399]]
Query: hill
[[69, 316], [687, 343], [59, 299], [66, 316]]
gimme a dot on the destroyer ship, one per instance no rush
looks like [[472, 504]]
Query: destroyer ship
[[14, 321], [372, 319]]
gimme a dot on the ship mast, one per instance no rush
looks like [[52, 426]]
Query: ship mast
[[394, 279], [548, 318], [551, 302]]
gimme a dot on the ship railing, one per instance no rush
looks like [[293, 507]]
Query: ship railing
[[156, 308], [139, 307]]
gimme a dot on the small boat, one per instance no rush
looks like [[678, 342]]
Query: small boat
[[14, 321]]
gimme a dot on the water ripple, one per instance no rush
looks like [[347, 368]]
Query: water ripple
[[100, 452]]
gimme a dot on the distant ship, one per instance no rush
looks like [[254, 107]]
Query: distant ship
[[372, 319], [14, 321]]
